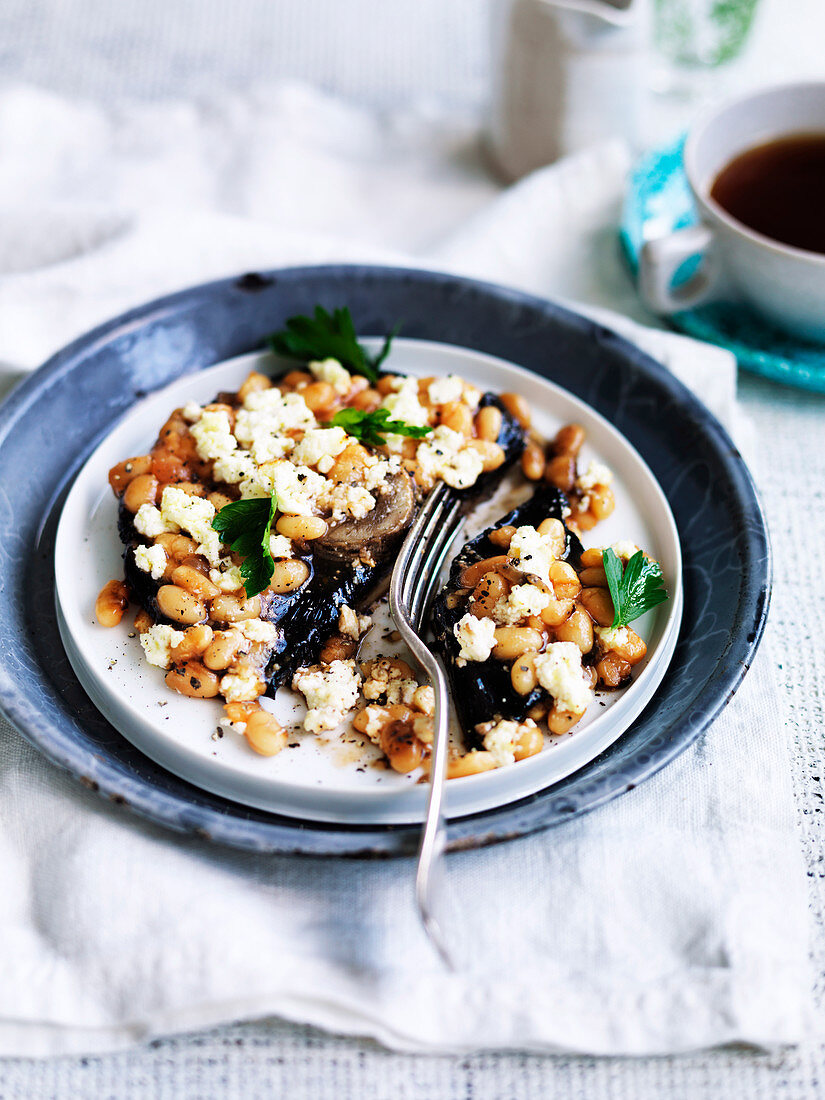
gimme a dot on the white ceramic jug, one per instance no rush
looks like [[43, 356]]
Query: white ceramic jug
[[566, 73]]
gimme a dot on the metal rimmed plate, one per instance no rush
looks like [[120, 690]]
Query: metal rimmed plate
[[311, 780], [51, 424]]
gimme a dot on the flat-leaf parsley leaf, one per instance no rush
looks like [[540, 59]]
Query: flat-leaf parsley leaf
[[636, 590], [329, 336], [245, 527], [372, 427]]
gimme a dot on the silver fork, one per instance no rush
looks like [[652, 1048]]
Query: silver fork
[[414, 578]]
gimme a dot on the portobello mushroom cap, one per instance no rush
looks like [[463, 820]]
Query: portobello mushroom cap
[[378, 533], [482, 690]]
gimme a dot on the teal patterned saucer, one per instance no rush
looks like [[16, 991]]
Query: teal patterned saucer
[[659, 201]]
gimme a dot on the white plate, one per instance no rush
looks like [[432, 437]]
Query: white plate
[[335, 782]]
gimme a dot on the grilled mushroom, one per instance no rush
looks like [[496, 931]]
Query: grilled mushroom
[[374, 537]]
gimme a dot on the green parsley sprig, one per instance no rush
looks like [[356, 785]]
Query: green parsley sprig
[[635, 590], [373, 427], [329, 336], [245, 527]]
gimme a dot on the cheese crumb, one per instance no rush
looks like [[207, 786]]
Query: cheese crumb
[[330, 370], [151, 523], [503, 739], [213, 435], [476, 637], [596, 474], [351, 624], [443, 390], [152, 560], [280, 546], [444, 454], [532, 553], [404, 405], [317, 444], [522, 601], [258, 630], [195, 515], [158, 643], [559, 671], [227, 578], [330, 693], [613, 637], [624, 550], [386, 682], [242, 686]]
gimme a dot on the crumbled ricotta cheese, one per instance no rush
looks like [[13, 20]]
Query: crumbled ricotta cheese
[[234, 467], [624, 550], [330, 693], [559, 671], [443, 390], [376, 470], [330, 370], [296, 487], [192, 411], [267, 415], [476, 637], [151, 523], [227, 578], [376, 719], [195, 515], [503, 738], [213, 435], [257, 630], [351, 624], [152, 560], [242, 686], [280, 546], [444, 454], [522, 601], [344, 500], [158, 642], [404, 405], [317, 443], [596, 474], [613, 637], [387, 682], [532, 553], [325, 464]]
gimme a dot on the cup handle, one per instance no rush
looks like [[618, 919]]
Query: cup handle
[[661, 258]]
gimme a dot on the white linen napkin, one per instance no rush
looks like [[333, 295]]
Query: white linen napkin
[[669, 920]]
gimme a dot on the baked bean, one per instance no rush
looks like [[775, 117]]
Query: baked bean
[[612, 670], [502, 536], [265, 733], [318, 395], [552, 531], [338, 648], [295, 378], [594, 577], [529, 743], [591, 677], [492, 455], [457, 416], [561, 472], [577, 628], [488, 423], [179, 605], [143, 621], [538, 711], [602, 502], [234, 609], [565, 581], [288, 575], [560, 721], [592, 558], [142, 489], [184, 576], [194, 680], [221, 651], [517, 406], [240, 712], [533, 461], [112, 601], [177, 547], [523, 673], [473, 573], [513, 641], [301, 527], [386, 384], [195, 641], [556, 611], [598, 604], [368, 400], [490, 589], [470, 764], [254, 383], [219, 500], [632, 650], [569, 440], [398, 740], [353, 457], [128, 470], [191, 488]]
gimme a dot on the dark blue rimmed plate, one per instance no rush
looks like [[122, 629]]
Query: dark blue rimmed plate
[[51, 423], [659, 201]]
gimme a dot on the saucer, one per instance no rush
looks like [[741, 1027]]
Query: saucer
[[659, 201]]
